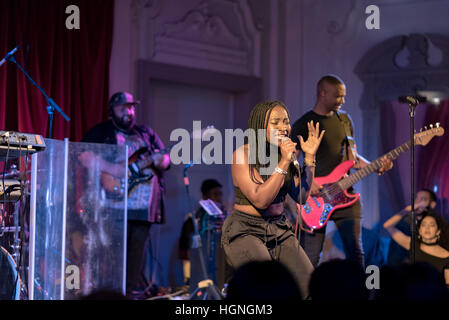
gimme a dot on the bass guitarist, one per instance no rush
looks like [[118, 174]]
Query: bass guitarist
[[146, 199], [337, 146]]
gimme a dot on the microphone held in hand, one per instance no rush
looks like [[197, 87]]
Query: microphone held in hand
[[293, 156]]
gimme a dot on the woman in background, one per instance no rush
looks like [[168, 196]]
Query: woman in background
[[431, 243]]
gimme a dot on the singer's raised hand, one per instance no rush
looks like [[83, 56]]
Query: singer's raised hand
[[310, 146]]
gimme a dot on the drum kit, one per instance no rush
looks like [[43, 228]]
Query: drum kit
[[11, 191]]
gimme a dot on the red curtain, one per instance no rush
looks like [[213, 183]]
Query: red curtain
[[436, 158], [72, 66]]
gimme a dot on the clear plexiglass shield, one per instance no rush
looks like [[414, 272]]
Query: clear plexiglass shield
[[77, 220]]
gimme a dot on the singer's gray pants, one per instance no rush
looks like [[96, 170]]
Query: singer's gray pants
[[247, 238]]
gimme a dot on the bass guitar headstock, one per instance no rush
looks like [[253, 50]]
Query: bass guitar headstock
[[424, 137]]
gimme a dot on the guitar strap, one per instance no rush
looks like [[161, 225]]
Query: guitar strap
[[349, 140]]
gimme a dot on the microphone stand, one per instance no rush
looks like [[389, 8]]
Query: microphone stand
[[412, 107], [206, 283], [52, 106]]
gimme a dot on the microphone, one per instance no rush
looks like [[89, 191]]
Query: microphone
[[186, 178], [9, 54], [293, 156], [188, 165], [412, 100]]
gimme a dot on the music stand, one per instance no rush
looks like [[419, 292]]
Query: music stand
[[206, 284]]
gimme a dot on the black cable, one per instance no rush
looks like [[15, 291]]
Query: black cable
[[4, 192], [19, 263], [300, 199], [150, 246], [20, 254], [153, 258], [24, 211], [3, 181], [20, 221], [21, 217]]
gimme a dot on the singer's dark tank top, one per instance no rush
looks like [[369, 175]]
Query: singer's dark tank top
[[241, 199]]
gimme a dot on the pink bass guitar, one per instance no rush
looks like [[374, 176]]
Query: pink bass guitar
[[318, 209]]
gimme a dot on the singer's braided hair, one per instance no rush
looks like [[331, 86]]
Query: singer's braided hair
[[258, 119]]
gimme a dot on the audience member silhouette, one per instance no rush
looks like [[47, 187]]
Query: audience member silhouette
[[104, 295], [419, 281], [338, 280], [262, 281]]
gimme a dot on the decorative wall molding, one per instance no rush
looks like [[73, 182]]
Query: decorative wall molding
[[152, 8], [217, 35], [403, 65], [337, 27], [387, 3]]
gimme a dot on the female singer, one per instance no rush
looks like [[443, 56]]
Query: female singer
[[257, 229]]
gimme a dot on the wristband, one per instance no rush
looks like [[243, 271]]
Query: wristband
[[279, 170], [310, 163]]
